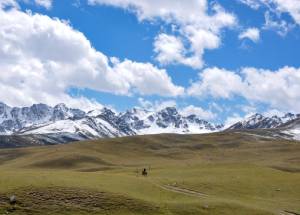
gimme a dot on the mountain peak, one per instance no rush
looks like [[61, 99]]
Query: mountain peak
[[2, 104], [258, 121], [169, 110], [256, 116], [61, 106], [41, 118]]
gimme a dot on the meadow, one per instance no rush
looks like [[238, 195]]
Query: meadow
[[220, 173]]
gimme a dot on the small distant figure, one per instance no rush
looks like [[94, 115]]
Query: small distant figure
[[12, 200], [144, 173]]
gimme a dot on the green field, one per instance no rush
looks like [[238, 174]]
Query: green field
[[222, 173]]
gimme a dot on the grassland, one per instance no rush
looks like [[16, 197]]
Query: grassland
[[224, 173]]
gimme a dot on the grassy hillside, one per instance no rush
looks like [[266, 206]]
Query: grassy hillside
[[224, 173]]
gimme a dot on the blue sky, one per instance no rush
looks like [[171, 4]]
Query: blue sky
[[235, 71]]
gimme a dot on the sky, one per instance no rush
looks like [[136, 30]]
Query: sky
[[222, 60]]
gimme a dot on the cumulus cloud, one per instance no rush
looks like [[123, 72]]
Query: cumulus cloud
[[231, 120], [251, 34], [274, 112], [254, 4], [198, 111], [146, 79], [215, 82], [14, 3], [44, 3], [8, 3], [282, 27], [41, 58], [156, 105], [280, 89], [170, 50], [197, 29], [274, 9], [290, 6]]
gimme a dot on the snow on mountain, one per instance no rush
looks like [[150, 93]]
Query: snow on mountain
[[87, 127], [94, 113], [289, 117], [292, 128], [167, 120], [14, 119], [64, 123], [258, 121], [61, 112], [43, 119], [295, 133], [96, 124]]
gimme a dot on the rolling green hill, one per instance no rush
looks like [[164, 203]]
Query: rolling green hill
[[220, 173]]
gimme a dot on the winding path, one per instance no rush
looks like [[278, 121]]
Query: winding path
[[176, 189], [184, 191], [189, 192]]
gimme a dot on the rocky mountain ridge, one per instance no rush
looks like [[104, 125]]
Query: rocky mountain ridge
[[63, 124], [43, 119], [258, 121]]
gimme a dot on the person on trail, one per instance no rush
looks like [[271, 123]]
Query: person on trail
[[144, 173]]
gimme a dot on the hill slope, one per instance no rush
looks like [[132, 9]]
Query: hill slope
[[219, 173]]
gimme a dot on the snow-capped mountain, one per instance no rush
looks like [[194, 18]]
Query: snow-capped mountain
[[64, 124], [167, 120], [292, 128], [258, 121], [76, 124], [14, 119]]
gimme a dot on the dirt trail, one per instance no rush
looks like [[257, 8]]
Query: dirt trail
[[288, 213], [183, 191], [189, 192]]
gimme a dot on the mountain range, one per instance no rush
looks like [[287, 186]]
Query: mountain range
[[258, 121], [61, 124]]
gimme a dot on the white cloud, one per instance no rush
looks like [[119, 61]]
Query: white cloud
[[280, 89], [251, 34], [8, 3], [41, 58], [216, 107], [276, 8], [145, 103], [197, 29], [249, 109], [198, 111], [146, 79], [282, 27], [170, 50], [254, 4], [216, 82], [273, 112], [14, 3], [44, 3], [231, 120], [290, 6], [167, 9], [156, 105]]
